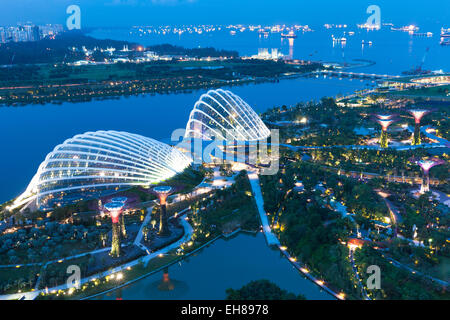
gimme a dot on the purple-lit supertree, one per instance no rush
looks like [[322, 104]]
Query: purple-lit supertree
[[385, 121], [426, 165], [418, 115]]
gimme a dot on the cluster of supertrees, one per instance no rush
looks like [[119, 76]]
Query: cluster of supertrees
[[426, 165], [385, 120], [115, 209]]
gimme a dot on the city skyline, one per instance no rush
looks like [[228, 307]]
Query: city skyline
[[125, 13]]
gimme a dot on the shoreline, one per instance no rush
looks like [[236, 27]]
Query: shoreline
[[221, 236]]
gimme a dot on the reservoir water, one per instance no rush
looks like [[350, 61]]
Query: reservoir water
[[29, 133], [224, 264]]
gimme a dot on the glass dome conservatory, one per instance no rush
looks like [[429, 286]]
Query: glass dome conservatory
[[93, 163], [225, 116]]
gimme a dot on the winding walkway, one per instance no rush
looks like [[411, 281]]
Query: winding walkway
[[271, 239], [355, 271], [401, 265], [188, 231]]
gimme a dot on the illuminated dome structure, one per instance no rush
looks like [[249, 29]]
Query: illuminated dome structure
[[90, 164], [225, 116]]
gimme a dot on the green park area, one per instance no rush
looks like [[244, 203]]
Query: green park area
[[440, 92], [24, 84]]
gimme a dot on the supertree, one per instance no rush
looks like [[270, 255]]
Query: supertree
[[418, 115], [122, 217], [384, 116], [163, 192], [426, 165], [115, 209], [385, 121]]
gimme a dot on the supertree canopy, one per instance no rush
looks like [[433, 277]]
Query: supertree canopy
[[418, 115], [385, 121], [122, 220], [385, 124], [426, 165], [384, 116], [115, 209], [163, 192]]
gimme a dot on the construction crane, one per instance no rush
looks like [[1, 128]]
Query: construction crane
[[418, 70]]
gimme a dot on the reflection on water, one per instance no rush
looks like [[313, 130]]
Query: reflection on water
[[224, 264], [163, 289]]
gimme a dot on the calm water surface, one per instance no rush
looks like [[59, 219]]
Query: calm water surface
[[29, 133], [225, 264]]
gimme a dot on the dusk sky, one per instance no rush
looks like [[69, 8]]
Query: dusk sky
[[433, 13]]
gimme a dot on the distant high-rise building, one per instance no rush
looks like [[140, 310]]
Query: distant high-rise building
[[28, 32], [2, 35], [35, 33]]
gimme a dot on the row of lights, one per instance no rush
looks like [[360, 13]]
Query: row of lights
[[321, 283]]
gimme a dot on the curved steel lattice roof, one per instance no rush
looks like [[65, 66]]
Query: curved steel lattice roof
[[104, 160], [225, 116]]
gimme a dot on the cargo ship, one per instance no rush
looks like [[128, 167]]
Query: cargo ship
[[291, 34], [445, 33], [445, 37]]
